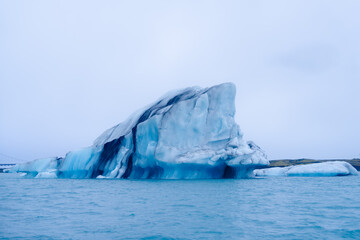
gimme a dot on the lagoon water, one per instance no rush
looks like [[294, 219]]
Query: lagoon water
[[267, 208]]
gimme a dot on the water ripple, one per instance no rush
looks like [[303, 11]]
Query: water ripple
[[274, 208]]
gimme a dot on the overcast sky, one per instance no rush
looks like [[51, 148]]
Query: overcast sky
[[71, 69]]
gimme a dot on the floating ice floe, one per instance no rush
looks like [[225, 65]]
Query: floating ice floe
[[186, 134], [331, 168]]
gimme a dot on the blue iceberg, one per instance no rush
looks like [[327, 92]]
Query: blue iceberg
[[187, 134]]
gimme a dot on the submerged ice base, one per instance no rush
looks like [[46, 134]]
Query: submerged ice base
[[187, 134], [325, 169]]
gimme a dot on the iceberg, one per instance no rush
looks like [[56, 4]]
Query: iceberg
[[186, 134], [325, 169]]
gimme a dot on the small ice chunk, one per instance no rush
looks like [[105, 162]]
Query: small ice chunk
[[324, 169]]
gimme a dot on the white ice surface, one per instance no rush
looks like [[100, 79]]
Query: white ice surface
[[50, 174], [330, 168]]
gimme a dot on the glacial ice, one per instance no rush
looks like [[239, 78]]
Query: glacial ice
[[186, 134], [331, 168]]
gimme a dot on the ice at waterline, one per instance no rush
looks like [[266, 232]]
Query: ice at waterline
[[187, 134], [324, 169]]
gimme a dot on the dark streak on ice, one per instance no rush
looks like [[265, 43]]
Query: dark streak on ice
[[111, 148], [145, 116], [130, 158], [229, 172], [109, 151]]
